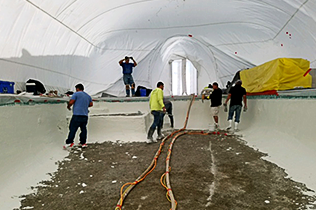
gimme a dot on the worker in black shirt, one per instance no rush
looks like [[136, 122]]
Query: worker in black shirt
[[236, 95], [216, 102], [168, 106]]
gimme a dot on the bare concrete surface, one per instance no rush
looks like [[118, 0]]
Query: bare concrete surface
[[215, 172]]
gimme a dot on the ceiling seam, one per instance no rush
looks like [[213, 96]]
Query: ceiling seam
[[188, 26], [292, 16], [62, 23], [81, 36], [202, 25], [237, 43], [287, 22]]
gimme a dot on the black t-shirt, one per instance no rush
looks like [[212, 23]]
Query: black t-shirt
[[168, 105], [216, 97], [237, 95]]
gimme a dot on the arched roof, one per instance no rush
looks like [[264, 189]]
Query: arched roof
[[63, 42]]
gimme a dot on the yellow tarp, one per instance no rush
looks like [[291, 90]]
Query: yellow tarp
[[278, 74]]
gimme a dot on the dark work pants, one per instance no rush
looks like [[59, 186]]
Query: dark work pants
[[78, 121], [169, 112], [158, 115]]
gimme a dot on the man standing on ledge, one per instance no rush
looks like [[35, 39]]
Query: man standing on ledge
[[80, 101], [236, 94], [127, 74], [158, 109]]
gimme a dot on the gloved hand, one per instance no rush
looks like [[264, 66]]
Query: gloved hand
[[225, 108], [245, 108]]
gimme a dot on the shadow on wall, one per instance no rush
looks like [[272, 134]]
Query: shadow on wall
[[57, 72]]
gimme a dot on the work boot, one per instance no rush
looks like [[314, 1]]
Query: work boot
[[230, 125], [236, 126], [150, 136], [160, 136]]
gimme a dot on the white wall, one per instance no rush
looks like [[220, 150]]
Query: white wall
[[31, 139], [31, 136], [285, 129]]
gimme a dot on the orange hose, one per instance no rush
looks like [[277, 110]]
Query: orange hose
[[153, 164]]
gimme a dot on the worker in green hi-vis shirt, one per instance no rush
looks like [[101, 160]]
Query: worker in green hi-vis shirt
[[158, 109]]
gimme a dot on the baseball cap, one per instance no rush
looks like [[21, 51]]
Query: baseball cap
[[238, 82]]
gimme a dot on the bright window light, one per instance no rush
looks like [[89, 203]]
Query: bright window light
[[184, 77]]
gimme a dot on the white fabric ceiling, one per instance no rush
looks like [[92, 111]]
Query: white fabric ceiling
[[63, 42]]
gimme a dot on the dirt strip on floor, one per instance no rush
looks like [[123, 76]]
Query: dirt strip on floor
[[215, 172]]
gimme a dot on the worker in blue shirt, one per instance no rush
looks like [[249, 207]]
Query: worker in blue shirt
[[80, 101], [127, 74]]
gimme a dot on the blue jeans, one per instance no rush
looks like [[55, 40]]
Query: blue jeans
[[77, 121], [158, 115], [234, 109]]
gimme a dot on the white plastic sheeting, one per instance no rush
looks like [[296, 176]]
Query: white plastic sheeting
[[63, 42]]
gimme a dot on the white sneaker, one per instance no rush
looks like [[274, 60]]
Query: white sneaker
[[83, 145], [236, 127], [149, 141], [160, 137], [68, 146], [230, 125]]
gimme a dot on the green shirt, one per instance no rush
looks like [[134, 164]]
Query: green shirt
[[156, 100]]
